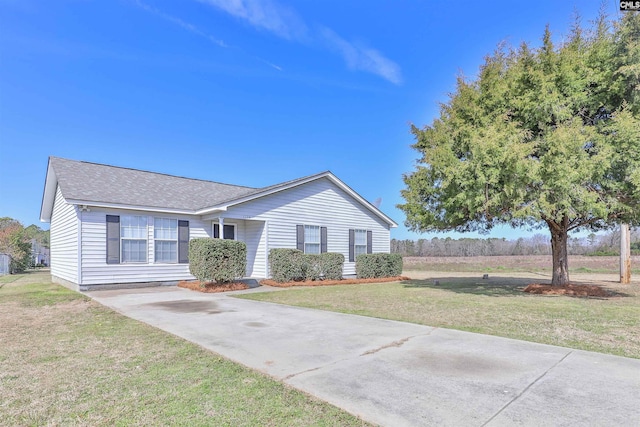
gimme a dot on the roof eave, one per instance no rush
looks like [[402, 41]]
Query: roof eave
[[92, 203], [48, 193]]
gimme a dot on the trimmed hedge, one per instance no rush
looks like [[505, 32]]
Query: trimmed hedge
[[311, 268], [331, 265], [217, 259], [378, 265], [288, 265]]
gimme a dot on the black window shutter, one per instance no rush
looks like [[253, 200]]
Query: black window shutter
[[300, 237], [323, 240], [183, 242], [113, 239], [216, 231], [352, 242], [369, 242]]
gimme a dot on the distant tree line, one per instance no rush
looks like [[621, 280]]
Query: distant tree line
[[538, 244]]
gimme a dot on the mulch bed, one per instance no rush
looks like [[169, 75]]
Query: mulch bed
[[212, 287], [570, 289], [270, 282]]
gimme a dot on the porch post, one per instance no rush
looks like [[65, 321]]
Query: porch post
[[221, 228]]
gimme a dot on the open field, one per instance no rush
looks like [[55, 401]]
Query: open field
[[522, 263], [496, 306], [66, 360]]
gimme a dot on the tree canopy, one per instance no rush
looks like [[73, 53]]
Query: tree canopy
[[15, 240], [544, 136], [15, 243]]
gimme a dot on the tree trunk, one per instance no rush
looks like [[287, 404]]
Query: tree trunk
[[559, 251]]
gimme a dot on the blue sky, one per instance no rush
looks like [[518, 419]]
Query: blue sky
[[246, 92]]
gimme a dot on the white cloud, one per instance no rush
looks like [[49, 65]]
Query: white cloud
[[270, 64], [195, 30], [187, 26], [363, 58], [285, 23], [264, 14]]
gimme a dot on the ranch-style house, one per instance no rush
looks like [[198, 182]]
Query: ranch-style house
[[115, 226]]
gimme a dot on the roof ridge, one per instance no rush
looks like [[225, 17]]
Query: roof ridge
[[302, 178], [152, 172]]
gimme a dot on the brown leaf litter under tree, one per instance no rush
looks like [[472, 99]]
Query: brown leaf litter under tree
[[569, 289]]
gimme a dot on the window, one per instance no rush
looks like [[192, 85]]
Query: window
[[165, 235], [360, 242], [127, 239], [311, 239], [133, 236]]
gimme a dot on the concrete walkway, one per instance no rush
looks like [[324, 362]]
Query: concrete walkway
[[394, 373]]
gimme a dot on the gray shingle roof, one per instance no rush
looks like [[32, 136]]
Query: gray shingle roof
[[104, 185], [92, 182]]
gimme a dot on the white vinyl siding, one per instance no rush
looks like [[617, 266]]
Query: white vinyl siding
[[318, 202], [360, 242], [95, 270], [133, 238], [255, 236], [165, 235], [311, 239], [263, 224], [64, 239]]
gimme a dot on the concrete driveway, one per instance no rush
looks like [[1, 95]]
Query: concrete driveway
[[394, 373]]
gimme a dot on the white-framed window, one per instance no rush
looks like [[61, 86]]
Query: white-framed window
[[133, 238], [311, 239], [360, 242], [165, 237]]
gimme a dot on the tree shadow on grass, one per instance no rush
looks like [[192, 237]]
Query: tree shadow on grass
[[493, 286]]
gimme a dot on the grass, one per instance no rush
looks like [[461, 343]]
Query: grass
[[495, 307], [517, 263], [470, 268], [66, 360]]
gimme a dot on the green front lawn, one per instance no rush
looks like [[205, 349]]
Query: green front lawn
[[66, 360]]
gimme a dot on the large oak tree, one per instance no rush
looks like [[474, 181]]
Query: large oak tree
[[544, 137]]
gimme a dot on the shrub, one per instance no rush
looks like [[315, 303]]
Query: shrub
[[289, 265], [378, 265], [286, 265], [605, 252], [326, 266], [312, 266], [217, 259], [331, 265]]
